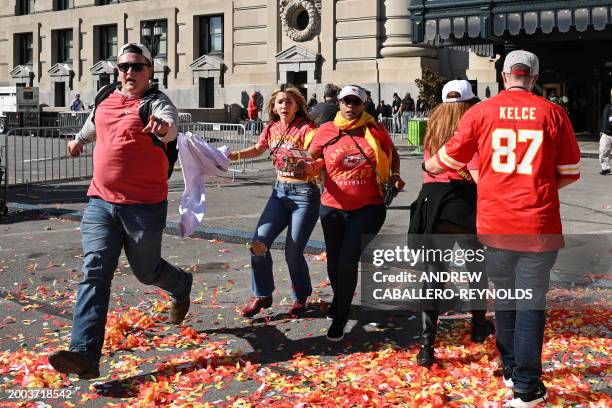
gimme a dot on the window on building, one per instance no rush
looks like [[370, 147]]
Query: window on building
[[24, 7], [211, 35], [107, 42], [63, 45], [105, 2], [23, 44], [154, 34], [63, 4]]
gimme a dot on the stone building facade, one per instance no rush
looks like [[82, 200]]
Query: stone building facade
[[213, 53]]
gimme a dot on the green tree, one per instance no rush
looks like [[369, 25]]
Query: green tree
[[430, 87]]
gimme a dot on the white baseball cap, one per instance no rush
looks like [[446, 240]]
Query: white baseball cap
[[132, 47], [523, 57], [353, 90], [461, 86]]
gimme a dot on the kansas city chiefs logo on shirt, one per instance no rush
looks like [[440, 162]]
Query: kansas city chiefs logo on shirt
[[351, 161]]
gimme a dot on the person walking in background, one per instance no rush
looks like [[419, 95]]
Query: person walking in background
[[253, 107], [127, 207], [421, 105], [408, 103], [293, 204], [370, 108], [527, 151], [447, 205], [312, 101], [605, 139], [396, 111], [383, 110], [358, 155], [408, 111], [325, 111], [77, 105]]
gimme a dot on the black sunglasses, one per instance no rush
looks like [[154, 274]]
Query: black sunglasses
[[136, 66], [352, 101]]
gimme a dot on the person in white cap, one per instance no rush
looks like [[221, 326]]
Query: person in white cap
[[527, 151], [127, 206], [447, 205], [358, 156]]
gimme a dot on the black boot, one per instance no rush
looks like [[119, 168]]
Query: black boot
[[425, 358], [429, 328], [481, 327]]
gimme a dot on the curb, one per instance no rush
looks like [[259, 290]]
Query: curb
[[313, 247]]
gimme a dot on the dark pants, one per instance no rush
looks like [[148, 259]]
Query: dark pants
[[431, 308], [520, 323], [343, 232]]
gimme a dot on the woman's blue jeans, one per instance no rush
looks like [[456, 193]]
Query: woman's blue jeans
[[106, 229], [294, 206]]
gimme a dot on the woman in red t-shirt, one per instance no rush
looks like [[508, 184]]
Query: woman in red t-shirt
[[294, 203], [447, 205], [358, 155]]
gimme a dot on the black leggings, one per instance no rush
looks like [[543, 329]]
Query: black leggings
[[430, 308], [343, 230]]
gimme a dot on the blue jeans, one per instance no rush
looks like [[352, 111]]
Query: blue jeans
[[520, 323], [294, 206], [107, 228]]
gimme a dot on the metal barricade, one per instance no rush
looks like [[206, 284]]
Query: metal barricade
[[232, 135], [254, 127], [388, 124], [185, 117], [72, 119], [3, 181], [39, 155]]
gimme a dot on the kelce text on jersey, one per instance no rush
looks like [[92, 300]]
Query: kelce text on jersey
[[516, 113]]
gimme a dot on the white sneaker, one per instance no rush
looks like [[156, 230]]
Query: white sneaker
[[529, 399]]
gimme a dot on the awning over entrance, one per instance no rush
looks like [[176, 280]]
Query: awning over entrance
[[472, 21]]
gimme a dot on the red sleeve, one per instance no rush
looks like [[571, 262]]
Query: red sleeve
[[263, 138], [568, 152], [474, 164], [460, 149]]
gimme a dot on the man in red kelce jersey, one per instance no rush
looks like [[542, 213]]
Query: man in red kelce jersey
[[527, 152]]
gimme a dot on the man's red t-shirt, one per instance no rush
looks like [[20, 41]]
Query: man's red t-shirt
[[129, 168], [351, 181], [525, 144]]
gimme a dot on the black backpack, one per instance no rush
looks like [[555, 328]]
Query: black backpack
[[145, 112]]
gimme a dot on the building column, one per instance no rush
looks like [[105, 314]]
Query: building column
[[398, 30]]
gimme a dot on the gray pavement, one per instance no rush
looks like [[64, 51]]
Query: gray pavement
[[40, 260]]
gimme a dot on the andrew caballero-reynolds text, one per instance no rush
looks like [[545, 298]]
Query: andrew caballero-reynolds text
[[408, 285]]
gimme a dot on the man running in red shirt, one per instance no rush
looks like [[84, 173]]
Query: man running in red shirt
[[527, 152], [127, 208]]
